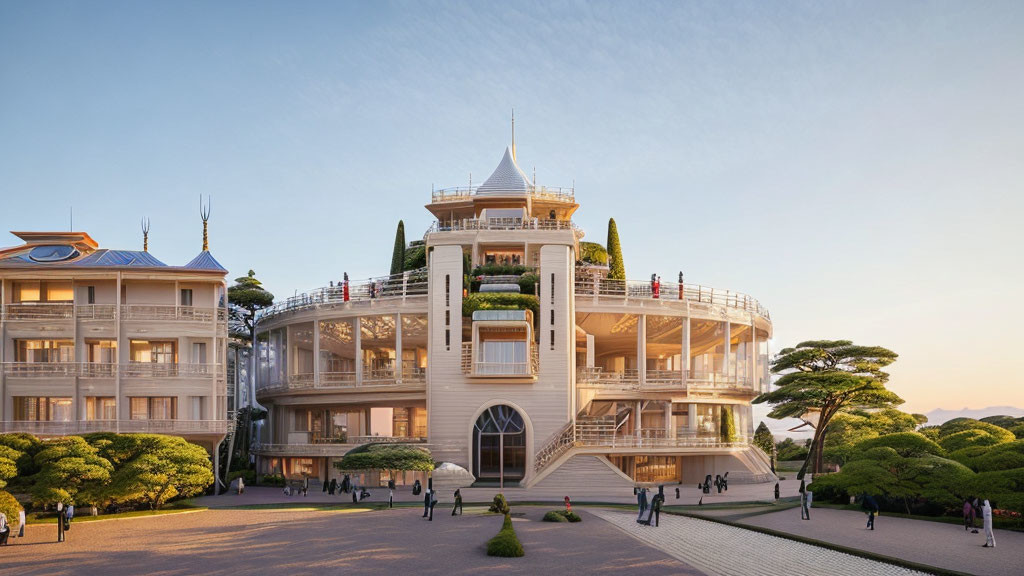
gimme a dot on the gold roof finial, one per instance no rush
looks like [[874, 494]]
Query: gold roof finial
[[204, 213], [145, 234], [513, 133]]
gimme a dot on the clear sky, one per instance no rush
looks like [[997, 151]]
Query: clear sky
[[858, 167]]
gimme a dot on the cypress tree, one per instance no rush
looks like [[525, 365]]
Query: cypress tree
[[616, 267], [398, 255], [728, 425]]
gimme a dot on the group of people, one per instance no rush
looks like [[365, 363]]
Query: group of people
[[972, 507]]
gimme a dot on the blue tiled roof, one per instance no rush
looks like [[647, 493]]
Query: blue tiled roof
[[106, 257], [205, 261]]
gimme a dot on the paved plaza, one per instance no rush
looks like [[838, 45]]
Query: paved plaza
[[307, 541], [938, 544]]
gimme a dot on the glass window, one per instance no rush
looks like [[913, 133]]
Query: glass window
[[59, 292], [186, 296], [154, 408], [35, 351], [155, 352], [101, 351], [100, 408], [42, 409], [26, 291]]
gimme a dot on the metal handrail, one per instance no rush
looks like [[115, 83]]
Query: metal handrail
[[82, 426], [591, 284], [171, 312], [396, 286], [694, 380], [38, 311], [460, 193]]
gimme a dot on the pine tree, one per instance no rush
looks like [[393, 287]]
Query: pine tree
[[616, 267], [398, 255], [728, 425]]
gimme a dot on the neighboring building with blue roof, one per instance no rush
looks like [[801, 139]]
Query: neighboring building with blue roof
[[97, 339]]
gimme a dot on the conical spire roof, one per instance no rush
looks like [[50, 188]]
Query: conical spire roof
[[506, 179]]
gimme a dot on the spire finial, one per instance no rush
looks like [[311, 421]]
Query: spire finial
[[145, 234], [204, 213], [513, 133]]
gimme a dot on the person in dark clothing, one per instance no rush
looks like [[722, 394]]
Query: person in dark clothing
[[346, 484], [641, 499], [870, 507], [426, 502], [656, 503], [718, 483], [805, 507], [391, 493], [332, 487], [458, 502], [416, 488], [60, 522], [776, 490]]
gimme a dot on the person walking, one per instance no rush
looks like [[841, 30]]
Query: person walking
[[326, 484], [986, 522], [805, 508], [391, 493], [305, 485], [641, 498], [870, 506], [241, 486], [969, 515], [458, 502], [60, 521], [5, 529], [332, 487]]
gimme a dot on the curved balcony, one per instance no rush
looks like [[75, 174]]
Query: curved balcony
[[335, 449], [67, 311], [414, 378], [475, 224], [589, 283], [665, 380], [466, 193], [401, 287]]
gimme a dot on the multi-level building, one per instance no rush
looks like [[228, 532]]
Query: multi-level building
[[584, 380], [93, 339]]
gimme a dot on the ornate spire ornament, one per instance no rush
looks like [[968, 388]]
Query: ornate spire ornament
[[204, 213], [513, 133], [145, 234]]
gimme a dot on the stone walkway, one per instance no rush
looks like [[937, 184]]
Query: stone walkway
[[946, 546], [721, 550]]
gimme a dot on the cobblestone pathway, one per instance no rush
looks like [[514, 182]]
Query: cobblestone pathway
[[720, 550]]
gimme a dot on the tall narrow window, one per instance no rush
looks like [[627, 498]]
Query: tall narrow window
[[447, 289], [186, 296], [90, 294], [552, 287]]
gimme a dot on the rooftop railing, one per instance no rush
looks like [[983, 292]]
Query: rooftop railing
[[600, 288], [396, 286], [502, 224], [413, 377], [695, 381], [462, 193]]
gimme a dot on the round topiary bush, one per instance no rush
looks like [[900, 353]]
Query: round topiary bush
[[555, 516], [499, 505], [506, 544]]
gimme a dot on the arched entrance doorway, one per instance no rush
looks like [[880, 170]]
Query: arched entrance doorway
[[499, 444]]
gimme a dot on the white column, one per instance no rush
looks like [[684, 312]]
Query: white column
[[359, 351], [398, 348], [727, 355], [639, 409], [641, 349], [316, 353], [753, 355], [670, 431], [686, 350], [590, 350], [691, 418]]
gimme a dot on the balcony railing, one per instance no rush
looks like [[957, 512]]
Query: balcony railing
[[590, 284], [47, 311], [473, 367], [372, 378], [38, 311], [48, 428], [332, 449], [175, 313], [461, 193], [502, 224], [695, 381], [109, 370], [587, 434], [363, 292]]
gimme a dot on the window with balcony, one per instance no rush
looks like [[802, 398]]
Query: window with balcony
[[44, 351], [414, 347], [100, 408], [57, 292], [154, 407], [155, 352], [378, 344], [101, 351], [42, 409], [502, 356]]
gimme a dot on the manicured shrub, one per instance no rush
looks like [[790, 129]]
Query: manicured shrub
[[506, 544], [10, 506], [570, 516], [616, 267], [528, 283], [966, 439], [906, 444], [555, 516], [499, 301], [1007, 456], [593, 253], [960, 424], [499, 504], [272, 480]]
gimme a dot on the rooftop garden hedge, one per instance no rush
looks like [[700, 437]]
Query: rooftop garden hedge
[[499, 301]]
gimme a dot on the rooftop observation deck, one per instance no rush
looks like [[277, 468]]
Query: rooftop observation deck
[[606, 290], [468, 193]]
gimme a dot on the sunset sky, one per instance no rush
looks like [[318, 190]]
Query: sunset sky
[[857, 167]]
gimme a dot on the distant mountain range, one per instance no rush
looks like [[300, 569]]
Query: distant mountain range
[[938, 416]]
